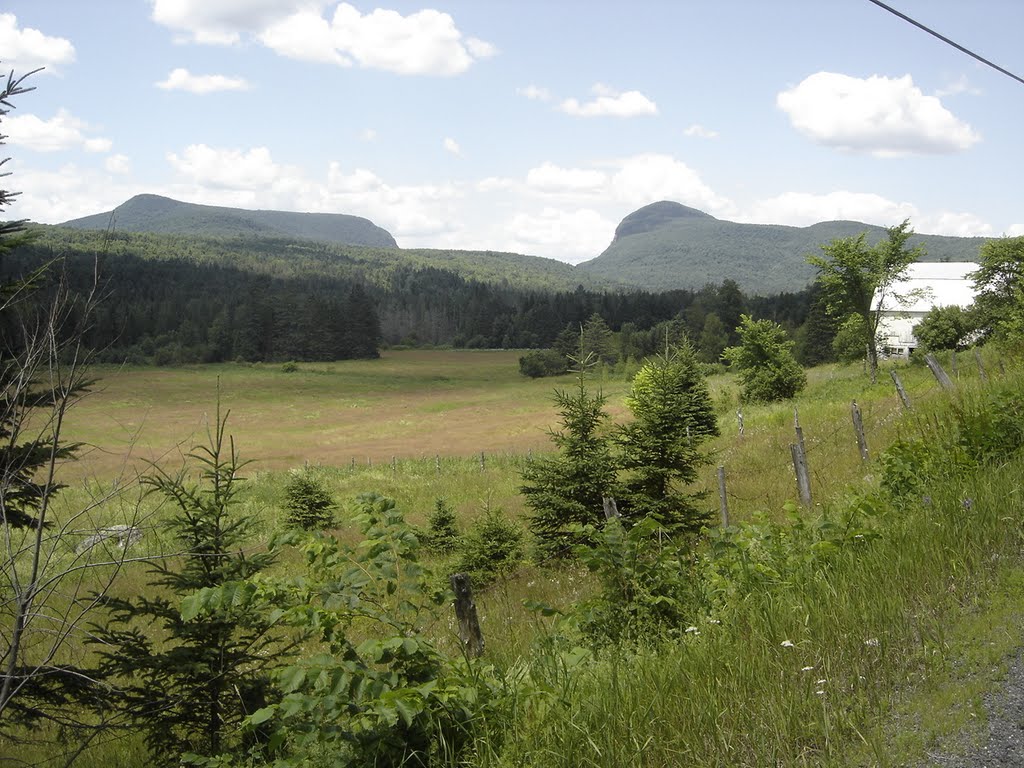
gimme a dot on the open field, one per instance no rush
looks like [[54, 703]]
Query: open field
[[428, 409]]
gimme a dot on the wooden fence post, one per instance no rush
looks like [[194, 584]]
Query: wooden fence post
[[465, 612], [936, 369], [803, 480], [611, 509], [799, 432], [723, 500], [481, 461], [437, 463], [899, 389], [739, 420], [353, 464], [394, 464], [981, 368], [858, 427]]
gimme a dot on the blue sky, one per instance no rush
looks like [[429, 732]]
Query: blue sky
[[523, 126]]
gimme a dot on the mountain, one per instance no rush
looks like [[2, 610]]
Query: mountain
[[162, 215], [666, 245]]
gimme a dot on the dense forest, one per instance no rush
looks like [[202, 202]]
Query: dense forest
[[170, 299]]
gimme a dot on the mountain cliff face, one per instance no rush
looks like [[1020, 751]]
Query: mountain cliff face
[[153, 213], [666, 245]]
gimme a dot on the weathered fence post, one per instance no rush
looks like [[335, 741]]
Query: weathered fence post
[[611, 509], [899, 389], [369, 461], [858, 427], [394, 464], [723, 500], [803, 479], [799, 431], [437, 463], [937, 372], [981, 368], [481, 461], [353, 463], [465, 612], [739, 420]]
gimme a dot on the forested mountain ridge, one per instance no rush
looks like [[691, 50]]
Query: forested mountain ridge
[[153, 213], [666, 245]]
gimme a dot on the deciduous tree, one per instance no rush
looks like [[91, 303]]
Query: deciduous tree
[[854, 277]]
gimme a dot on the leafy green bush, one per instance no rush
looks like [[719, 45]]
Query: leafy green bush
[[764, 359], [492, 548], [309, 504], [442, 536], [543, 362], [290, 367], [649, 585]]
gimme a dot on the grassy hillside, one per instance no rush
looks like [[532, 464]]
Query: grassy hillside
[[153, 213], [666, 245]]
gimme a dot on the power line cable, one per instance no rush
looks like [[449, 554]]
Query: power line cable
[[946, 40]]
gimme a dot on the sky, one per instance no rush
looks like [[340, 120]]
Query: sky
[[530, 126]]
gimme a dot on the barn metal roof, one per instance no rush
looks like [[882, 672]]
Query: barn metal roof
[[930, 284]]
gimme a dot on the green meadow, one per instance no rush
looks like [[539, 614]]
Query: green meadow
[[833, 651]]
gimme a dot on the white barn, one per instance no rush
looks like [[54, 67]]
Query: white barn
[[926, 285]]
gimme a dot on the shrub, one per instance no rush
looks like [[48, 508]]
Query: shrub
[[441, 536], [308, 503], [764, 359], [492, 548], [290, 367], [543, 362]]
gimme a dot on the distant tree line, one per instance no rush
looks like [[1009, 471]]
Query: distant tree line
[[258, 303]]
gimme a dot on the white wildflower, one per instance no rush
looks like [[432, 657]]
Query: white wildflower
[[807, 669], [820, 693], [820, 682], [786, 644], [872, 642], [692, 631]]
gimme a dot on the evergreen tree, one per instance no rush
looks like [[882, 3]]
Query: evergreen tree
[[189, 683], [599, 341], [713, 339], [308, 503], [567, 489], [659, 450]]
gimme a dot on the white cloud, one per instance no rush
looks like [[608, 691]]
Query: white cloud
[[119, 164], [69, 193], [698, 131], [481, 49], [648, 178], [534, 92], [226, 168], [306, 36], [952, 223], [1015, 230], [958, 86], [62, 131], [368, 134], [567, 235], [885, 117], [182, 80], [801, 209], [451, 145], [423, 43], [610, 103], [223, 22], [494, 184], [27, 49], [550, 178]]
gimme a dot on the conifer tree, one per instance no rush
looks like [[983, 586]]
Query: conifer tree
[[567, 489], [187, 684], [659, 451]]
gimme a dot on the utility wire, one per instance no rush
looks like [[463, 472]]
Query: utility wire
[[944, 39]]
